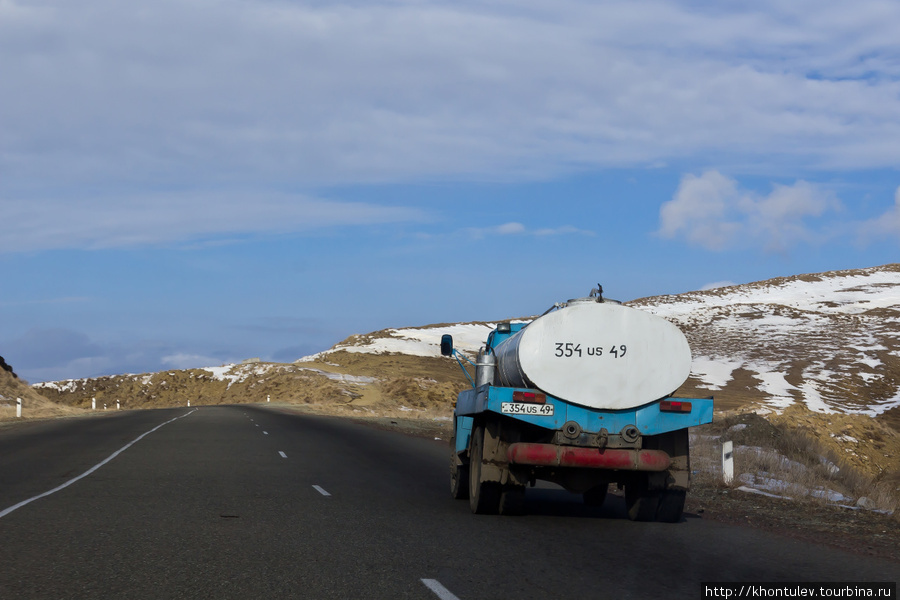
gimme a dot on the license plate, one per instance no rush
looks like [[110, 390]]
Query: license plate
[[525, 408]]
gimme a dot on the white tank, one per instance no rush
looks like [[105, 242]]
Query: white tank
[[598, 355]]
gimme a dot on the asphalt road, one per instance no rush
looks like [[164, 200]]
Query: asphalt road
[[252, 502]]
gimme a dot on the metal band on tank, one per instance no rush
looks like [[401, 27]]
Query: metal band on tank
[[508, 366]]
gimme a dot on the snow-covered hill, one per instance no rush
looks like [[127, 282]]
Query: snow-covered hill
[[414, 341], [830, 341]]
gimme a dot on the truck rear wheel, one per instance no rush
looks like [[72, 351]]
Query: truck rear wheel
[[459, 475], [484, 496], [671, 506], [640, 502]]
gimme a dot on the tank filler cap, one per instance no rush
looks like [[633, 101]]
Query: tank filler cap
[[589, 300], [596, 295]]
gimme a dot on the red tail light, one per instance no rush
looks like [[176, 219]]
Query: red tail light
[[675, 406], [532, 397]]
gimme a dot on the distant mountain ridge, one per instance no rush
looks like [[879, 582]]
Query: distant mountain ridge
[[827, 341]]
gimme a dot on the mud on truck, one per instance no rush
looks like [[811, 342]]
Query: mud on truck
[[580, 396]]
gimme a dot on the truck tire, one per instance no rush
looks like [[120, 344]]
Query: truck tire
[[512, 500], [640, 502], [484, 496], [671, 506], [459, 475], [596, 496]]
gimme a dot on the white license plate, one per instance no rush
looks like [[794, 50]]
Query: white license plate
[[525, 408]]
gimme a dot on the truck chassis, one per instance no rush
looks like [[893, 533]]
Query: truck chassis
[[494, 456]]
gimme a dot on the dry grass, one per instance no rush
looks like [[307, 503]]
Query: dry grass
[[34, 405], [792, 461]]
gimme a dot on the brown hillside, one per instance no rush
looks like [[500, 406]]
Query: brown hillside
[[33, 403]]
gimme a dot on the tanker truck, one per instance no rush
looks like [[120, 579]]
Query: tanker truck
[[581, 396]]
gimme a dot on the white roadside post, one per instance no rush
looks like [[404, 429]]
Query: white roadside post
[[104, 406], [189, 402], [18, 407], [268, 398], [728, 462], [93, 404], [117, 405]]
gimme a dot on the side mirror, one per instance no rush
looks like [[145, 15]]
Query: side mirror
[[446, 345]]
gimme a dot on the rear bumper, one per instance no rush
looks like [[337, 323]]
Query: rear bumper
[[551, 455]]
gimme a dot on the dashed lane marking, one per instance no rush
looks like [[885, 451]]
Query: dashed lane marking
[[319, 489], [435, 586], [283, 455]]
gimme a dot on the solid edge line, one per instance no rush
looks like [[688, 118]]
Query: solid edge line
[[91, 470], [320, 490], [435, 586]]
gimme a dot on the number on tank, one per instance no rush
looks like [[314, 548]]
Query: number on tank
[[572, 349]]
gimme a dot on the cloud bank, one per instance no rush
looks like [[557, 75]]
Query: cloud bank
[[223, 91]]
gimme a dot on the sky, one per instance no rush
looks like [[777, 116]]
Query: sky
[[195, 182]]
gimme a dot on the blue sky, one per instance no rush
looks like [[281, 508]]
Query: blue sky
[[187, 183]]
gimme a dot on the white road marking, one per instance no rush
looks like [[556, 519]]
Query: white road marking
[[283, 455], [265, 433], [435, 586], [91, 470], [321, 491]]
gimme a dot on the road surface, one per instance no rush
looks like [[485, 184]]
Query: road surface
[[257, 502]]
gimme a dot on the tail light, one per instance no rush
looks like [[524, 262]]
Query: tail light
[[675, 406], [532, 397]]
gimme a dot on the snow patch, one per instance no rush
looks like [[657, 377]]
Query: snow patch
[[468, 338], [715, 373], [358, 379]]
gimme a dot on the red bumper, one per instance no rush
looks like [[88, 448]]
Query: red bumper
[[551, 455]]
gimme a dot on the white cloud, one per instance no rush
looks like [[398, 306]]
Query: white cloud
[[564, 230], [779, 219], [701, 211], [217, 91], [157, 219], [712, 212], [509, 228], [515, 228]]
